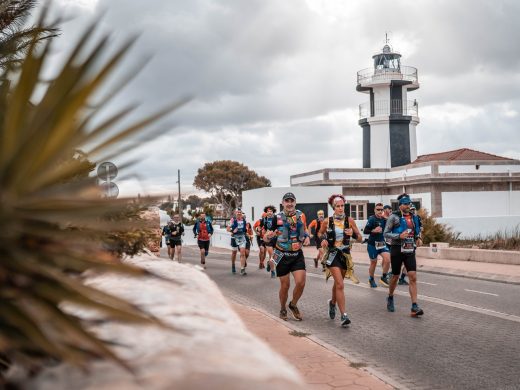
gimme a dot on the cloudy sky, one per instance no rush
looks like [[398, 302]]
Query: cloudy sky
[[274, 81]]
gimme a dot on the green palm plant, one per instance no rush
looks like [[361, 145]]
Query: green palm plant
[[51, 214], [15, 35]]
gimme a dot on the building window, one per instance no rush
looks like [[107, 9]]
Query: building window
[[357, 210]]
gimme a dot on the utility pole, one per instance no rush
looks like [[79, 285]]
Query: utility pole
[[179, 188]]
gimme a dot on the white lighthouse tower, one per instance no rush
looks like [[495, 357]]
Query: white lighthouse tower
[[389, 119]]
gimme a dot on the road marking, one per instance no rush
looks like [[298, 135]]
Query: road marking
[[481, 292], [463, 306], [430, 284]]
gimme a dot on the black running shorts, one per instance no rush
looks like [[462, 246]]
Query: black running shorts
[[203, 244], [398, 258], [260, 242], [290, 262], [175, 242]]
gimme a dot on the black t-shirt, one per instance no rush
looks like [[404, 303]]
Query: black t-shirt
[[177, 230]]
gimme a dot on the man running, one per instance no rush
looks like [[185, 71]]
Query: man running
[[167, 233], [203, 229], [376, 246], [402, 279], [403, 231], [288, 257], [261, 245], [239, 231], [177, 231], [268, 225], [316, 224], [234, 247]]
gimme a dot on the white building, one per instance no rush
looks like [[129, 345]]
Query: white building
[[475, 192]]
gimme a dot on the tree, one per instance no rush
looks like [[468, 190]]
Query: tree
[[194, 201], [225, 180], [15, 37]]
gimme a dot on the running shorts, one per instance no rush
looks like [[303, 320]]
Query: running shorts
[[290, 262], [234, 245], [175, 242], [203, 244], [260, 242], [373, 252], [399, 258]]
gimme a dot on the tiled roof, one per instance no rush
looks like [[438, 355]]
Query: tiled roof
[[459, 155]]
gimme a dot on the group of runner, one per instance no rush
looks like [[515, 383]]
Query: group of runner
[[392, 236]]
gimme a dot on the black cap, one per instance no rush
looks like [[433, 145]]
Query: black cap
[[289, 195], [386, 206]]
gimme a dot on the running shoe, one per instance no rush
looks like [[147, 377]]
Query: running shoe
[[243, 272], [233, 269], [416, 311], [384, 281], [268, 266], [345, 320], [295, 312], [316, 263], [402, 282], [273, 275], [372, 282], [283, 314], [390, 304], [332, 310]]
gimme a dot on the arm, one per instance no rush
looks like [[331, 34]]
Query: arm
[[356, 234], [322, 234], [369, 226], [390, 223], [313, 225]]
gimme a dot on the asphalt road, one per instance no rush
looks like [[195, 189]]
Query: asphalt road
[[469, 337]]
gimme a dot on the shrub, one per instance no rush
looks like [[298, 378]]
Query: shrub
[[434, 231]]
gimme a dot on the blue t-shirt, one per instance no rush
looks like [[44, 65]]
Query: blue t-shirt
[[372, 223]]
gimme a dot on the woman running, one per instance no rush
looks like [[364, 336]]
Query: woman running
[[335, 237]]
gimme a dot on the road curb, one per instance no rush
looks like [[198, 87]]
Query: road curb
[[370, 370]]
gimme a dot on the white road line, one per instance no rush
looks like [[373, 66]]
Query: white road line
[[463, 306], [430, 284], [481, 292]]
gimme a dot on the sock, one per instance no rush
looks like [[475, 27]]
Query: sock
[[391, 297], [414, 304], [370, 278], [384, 275]]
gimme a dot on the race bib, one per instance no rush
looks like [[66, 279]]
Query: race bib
[[408, 245], [380, 244], [277, 256], [331, 257]]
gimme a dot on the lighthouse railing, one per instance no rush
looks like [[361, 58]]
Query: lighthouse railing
[[371, 75], [389, 107]]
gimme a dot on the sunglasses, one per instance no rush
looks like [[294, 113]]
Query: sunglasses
[[379, 209]]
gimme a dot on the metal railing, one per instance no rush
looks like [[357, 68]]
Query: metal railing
[[371, 75], [389, 107]]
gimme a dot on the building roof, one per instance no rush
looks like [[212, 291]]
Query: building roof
[[463, 154]]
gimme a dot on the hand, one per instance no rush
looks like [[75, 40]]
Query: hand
[[307, 241], [349, 231], [209, 235], [419, 241], [311, 236], [377, 230], [403, 235], [324, 244]]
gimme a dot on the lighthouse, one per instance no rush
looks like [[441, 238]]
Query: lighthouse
[[389, 118]]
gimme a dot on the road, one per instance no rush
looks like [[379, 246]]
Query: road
[[468, 338]]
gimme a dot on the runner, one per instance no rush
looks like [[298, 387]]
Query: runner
[[268, 225], [249, 239], [288, 257], [177, 231], [261, 245], [403, 231], [376, 246], [203, 229], [167, 233], [316, 224], [336, 235], [234, 247], [402, 280], [239, 231]]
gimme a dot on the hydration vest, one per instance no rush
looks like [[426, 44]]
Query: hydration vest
[[288, 232], [265, 223], [404, 226], [331, 232]]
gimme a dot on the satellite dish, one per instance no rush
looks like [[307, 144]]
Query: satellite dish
[[110, 189], [107, 171]]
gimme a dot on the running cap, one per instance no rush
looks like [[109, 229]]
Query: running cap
[[289, 195], [405, 200], [387, 206]]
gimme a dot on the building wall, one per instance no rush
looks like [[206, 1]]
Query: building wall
[[482, 203], [379, 144], [483, 226], [482, 168]]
